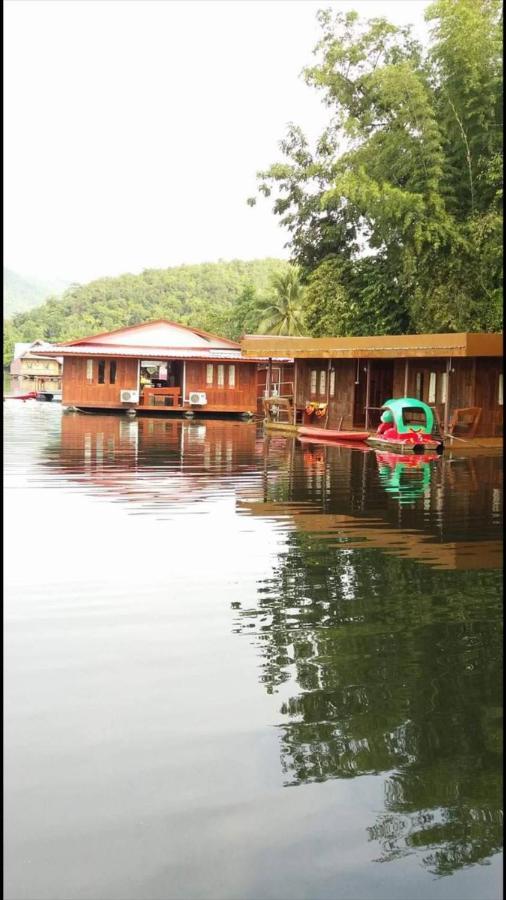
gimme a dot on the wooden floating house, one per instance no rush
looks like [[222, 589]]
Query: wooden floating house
[[158, 367], [30, 371], [342, 382]]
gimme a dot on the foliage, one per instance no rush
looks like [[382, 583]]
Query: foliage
[[407, 174], [283, 313], [226, 298]]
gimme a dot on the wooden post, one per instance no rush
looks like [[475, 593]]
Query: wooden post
[[406, 377], [269, 376], [447, 398], [328, 393], [367, 393], [295, 392]]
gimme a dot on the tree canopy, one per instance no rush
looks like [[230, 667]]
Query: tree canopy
[[227, 298], [395, 216]]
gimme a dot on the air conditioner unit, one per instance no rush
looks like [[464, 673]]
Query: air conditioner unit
[[129, 396], [197, 398]]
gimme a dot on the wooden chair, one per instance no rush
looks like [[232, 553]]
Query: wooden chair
[[464, 422]]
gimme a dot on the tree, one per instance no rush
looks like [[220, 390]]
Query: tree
[[283, 312], [409, 167]]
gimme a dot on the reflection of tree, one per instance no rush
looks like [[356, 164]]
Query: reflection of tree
[[390, 667]]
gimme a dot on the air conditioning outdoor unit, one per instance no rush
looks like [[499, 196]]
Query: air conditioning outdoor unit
[[129, 396], [197, 398]]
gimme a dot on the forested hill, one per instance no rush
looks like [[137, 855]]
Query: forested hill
[[211, 296], [22, 294]]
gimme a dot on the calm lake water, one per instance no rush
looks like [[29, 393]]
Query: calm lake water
[[242, 668]]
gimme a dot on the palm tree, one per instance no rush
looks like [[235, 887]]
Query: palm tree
[[283, 313]]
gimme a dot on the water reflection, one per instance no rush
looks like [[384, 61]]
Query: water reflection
[[406, 477], [385, 665], [378, 630]]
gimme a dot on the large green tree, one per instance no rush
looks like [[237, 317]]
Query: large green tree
[[408, 173]]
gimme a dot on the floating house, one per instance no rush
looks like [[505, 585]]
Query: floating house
[[342, 382], [30, 371], [158, 367]]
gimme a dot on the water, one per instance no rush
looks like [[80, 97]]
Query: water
[[239, 667]]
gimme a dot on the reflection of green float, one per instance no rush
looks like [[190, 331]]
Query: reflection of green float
[[406, 477], [397, 433]]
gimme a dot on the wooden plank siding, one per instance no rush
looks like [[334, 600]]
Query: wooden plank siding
[[77, 390], [241, 397], [471, 382]]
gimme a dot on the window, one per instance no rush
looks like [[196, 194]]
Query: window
[[231, 376], [89, 370], [323, 382], [112, 371], [419, 385], [101, 371], [209, 373], [432, 387], [221, 376], [332, 382], [312, 388], [499, 393]]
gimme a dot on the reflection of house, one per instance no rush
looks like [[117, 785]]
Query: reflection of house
[[354, 376], [158, 367], [32, 372]]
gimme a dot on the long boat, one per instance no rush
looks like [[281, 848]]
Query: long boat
[[329, 434]]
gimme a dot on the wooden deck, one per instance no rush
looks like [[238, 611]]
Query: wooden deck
[[457, 445]]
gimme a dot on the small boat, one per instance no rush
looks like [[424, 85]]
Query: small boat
[[350, 445], [31, 396], [329, 434], [406, 427], [49, 396]]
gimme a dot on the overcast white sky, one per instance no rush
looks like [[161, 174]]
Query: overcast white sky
[[134, 128]]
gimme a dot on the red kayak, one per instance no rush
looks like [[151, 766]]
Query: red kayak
[[328, 434]]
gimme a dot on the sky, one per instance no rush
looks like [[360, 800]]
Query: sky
[[134, 129]]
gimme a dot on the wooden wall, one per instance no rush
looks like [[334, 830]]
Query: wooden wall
[[341, 403], [242, 397], [472, 382], [77, 391]]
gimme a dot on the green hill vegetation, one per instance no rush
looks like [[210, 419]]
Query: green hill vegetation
[[227, 298], [22, 294]]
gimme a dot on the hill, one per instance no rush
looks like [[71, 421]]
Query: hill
[[22, 294], [216, 297]]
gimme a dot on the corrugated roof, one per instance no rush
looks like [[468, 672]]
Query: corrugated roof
[[154, 353]]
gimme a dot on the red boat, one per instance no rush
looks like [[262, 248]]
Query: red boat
[[350, 445], [31, 396], [331, 435]]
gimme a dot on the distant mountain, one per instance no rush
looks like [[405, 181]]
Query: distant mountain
[[221, 297], [22, 294]]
